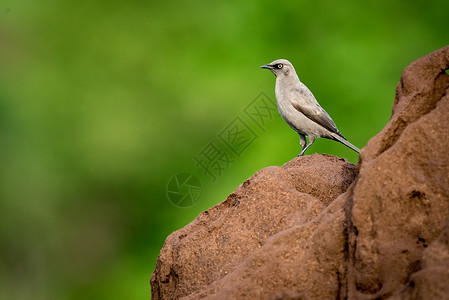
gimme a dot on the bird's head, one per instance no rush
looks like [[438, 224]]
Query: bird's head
[[280, 67]]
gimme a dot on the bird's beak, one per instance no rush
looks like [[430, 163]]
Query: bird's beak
[[267, 67]]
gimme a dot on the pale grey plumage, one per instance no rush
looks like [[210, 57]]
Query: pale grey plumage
[[299, 108]]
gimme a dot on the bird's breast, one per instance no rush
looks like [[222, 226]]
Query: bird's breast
[[294, 118]]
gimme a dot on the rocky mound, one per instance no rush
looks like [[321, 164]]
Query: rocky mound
[[319, 228]]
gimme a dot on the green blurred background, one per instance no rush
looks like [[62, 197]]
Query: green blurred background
[[102, 102]]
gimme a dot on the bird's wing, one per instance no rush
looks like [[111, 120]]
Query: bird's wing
[[304, 102]]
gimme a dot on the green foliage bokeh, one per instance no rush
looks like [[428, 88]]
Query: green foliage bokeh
[[102, 102]]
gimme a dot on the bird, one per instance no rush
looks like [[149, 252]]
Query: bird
[[299, 108]]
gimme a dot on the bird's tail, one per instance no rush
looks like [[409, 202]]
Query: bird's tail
[[344, 141]]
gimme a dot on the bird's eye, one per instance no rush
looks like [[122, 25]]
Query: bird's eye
[[279, 66]]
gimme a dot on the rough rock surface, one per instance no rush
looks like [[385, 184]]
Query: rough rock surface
[[303, 231], [400, 201], [274, 202]]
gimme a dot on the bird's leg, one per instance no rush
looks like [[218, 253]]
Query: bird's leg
[[311, 140], [302, 141]]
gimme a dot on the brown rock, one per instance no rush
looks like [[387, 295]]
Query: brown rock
[[400, 201], [292, 232], [276, 205], [432, 280], [306, 260]]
